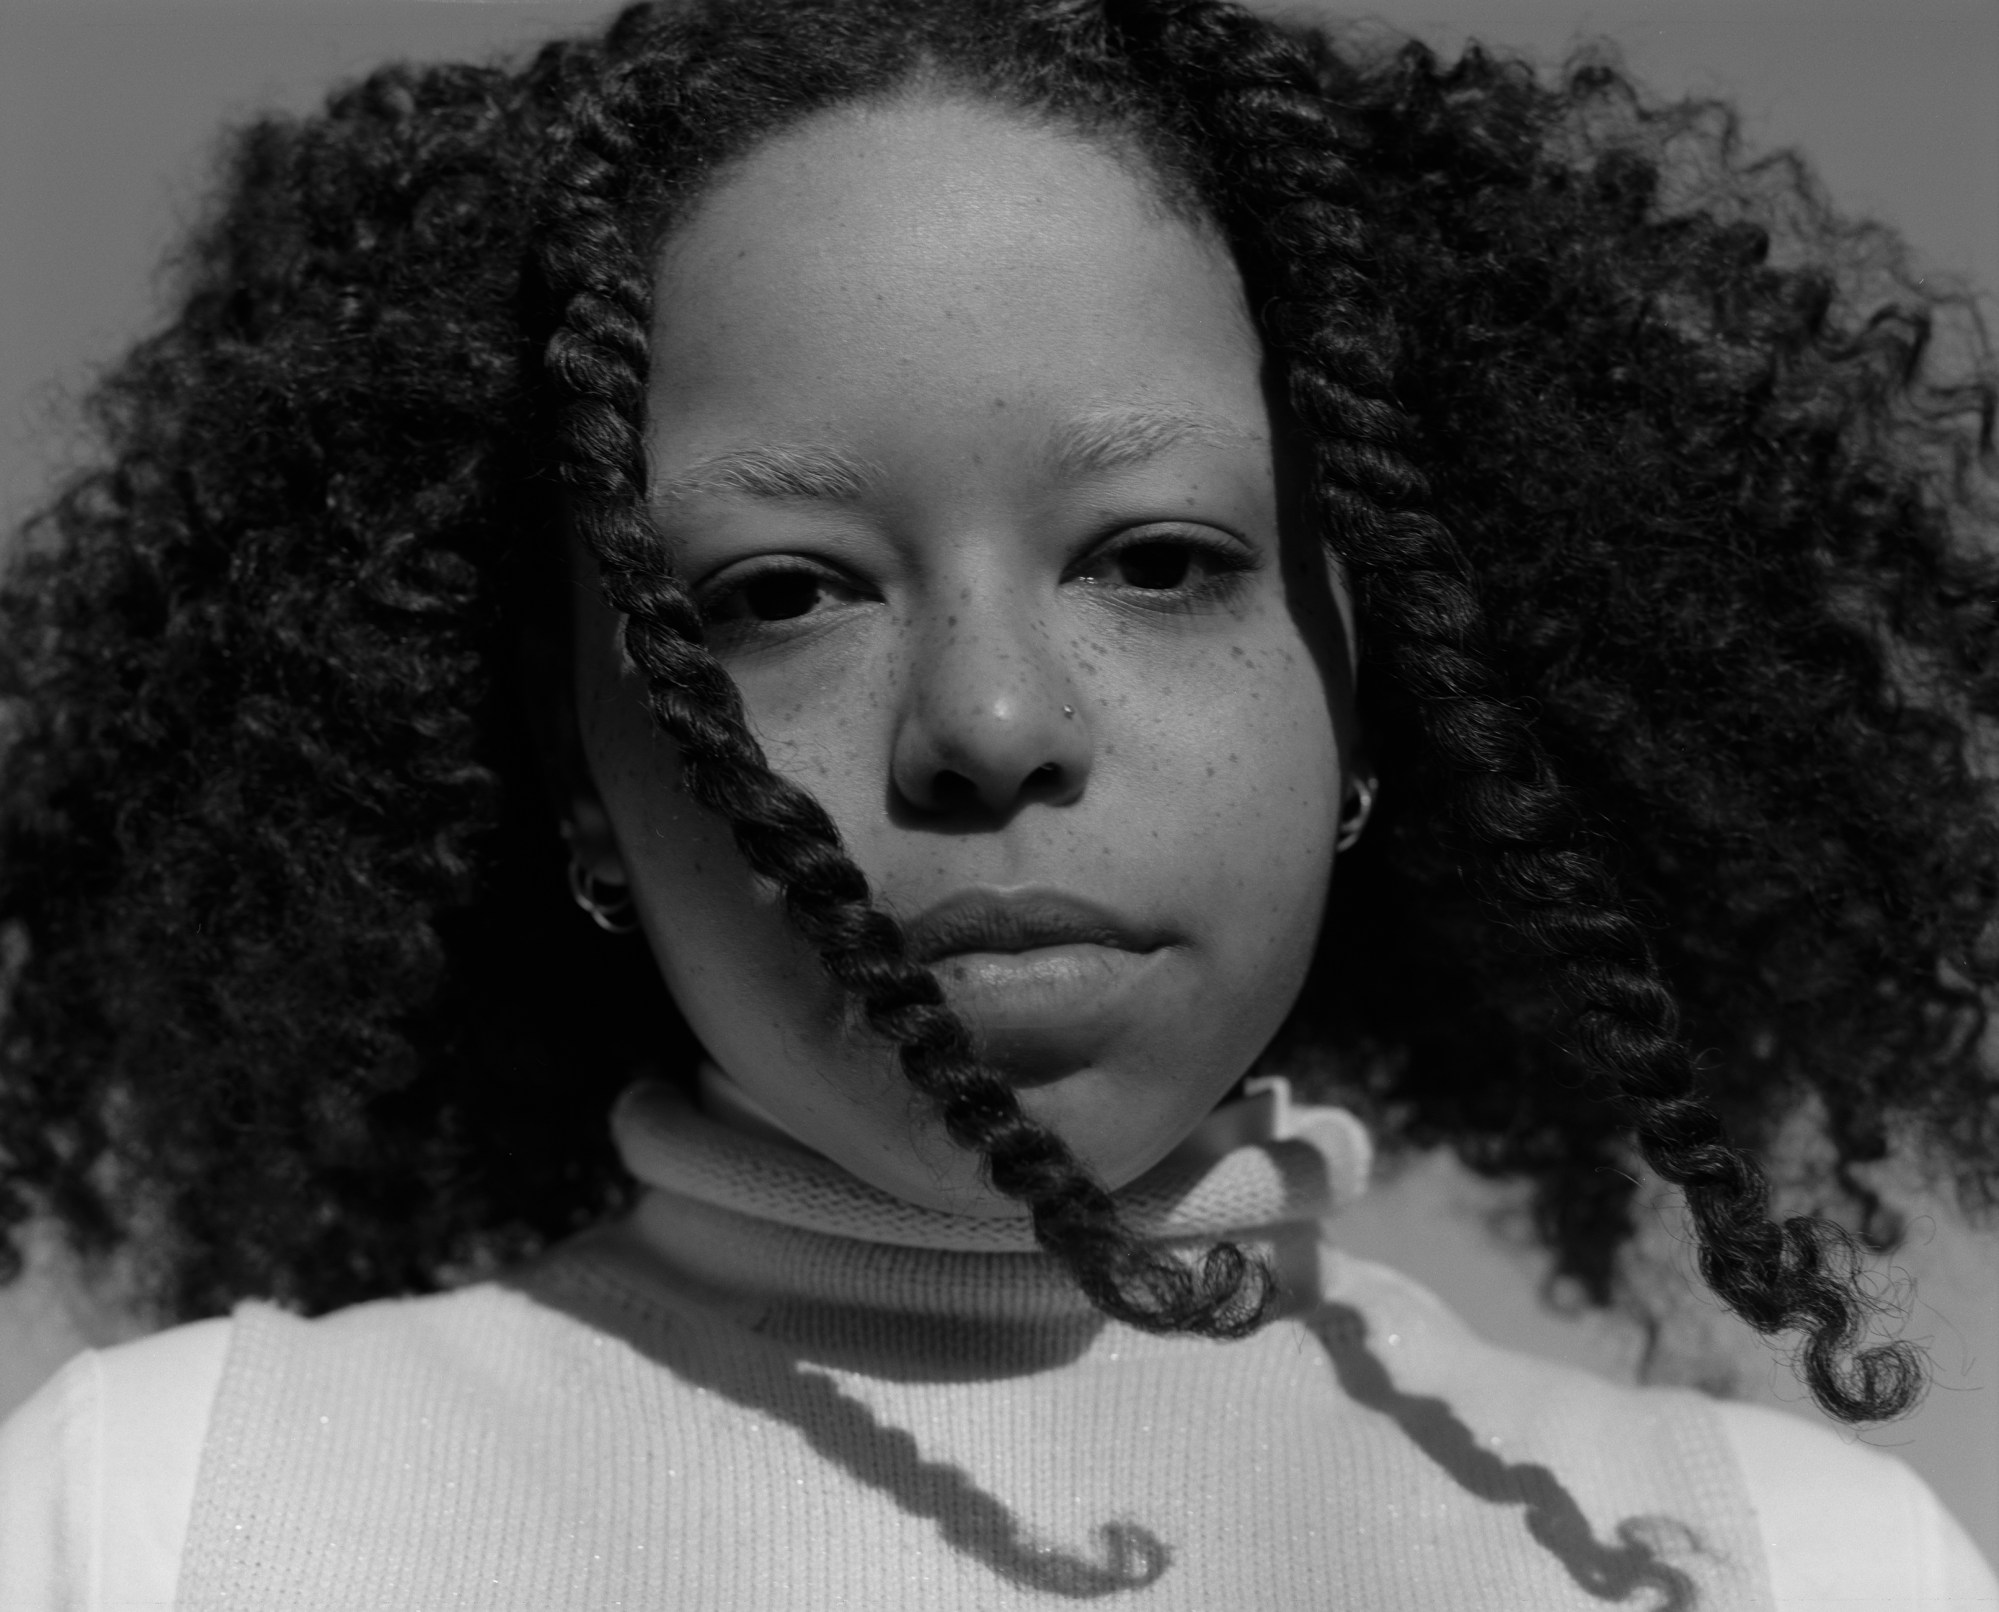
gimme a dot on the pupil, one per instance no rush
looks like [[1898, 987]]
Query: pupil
[[781, 597], [1154, 565]]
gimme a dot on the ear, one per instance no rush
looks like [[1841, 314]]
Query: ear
[[587, 829], [1358, 763], [1357, 804]]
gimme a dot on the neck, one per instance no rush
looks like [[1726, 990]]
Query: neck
[[726, 1103]]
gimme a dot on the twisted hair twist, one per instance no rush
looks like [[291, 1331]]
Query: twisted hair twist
[[597, 362], [1290, 196]]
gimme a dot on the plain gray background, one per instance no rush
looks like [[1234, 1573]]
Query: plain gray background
[[108, 115]]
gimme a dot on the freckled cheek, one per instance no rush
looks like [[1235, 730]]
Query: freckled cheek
[[832, 731], [1243, 763]]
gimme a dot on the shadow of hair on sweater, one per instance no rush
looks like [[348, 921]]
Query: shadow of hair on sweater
[[770, 1378], [846, 1432], [1609, 1572]]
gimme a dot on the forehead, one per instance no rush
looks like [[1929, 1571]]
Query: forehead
[[939, 258]]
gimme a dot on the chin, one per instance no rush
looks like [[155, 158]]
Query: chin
[[1120, 1124]]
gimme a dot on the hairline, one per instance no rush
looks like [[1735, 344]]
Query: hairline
[[1171, 189]]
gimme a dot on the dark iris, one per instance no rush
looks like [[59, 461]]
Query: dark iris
[[781, 595], [1154, 565]]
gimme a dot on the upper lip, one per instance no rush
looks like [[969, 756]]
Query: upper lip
[[1018, 921]]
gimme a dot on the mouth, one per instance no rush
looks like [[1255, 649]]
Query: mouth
[[1016, 921], [1044, 977]]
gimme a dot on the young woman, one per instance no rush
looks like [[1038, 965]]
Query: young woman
[[940, 527]]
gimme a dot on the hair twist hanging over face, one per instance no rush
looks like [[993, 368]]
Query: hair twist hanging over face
[[597, 359], [1675, 620]]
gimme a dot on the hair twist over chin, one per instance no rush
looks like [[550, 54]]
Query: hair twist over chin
[[597, 361], [1289, 196]]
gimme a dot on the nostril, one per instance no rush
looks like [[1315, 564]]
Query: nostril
[[951, 791], [957, 792]]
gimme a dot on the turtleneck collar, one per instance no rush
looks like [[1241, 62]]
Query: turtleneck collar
[[1255, 1163], [782, 1236]]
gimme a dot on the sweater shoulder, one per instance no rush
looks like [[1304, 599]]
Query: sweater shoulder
[[1433, 1349], [98, 1472], [1841, 1526], [506, 1348], [1512, 1425], [101, 1467], [1850, 1528]]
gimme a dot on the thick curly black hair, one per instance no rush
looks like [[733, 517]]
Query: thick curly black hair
[[1676, 628]]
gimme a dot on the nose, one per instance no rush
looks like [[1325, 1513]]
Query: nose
[[991, 721]]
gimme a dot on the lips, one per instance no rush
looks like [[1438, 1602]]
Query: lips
[[1020, 921], [1044, 977]]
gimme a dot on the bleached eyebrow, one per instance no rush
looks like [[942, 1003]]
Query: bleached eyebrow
[[1111, 438], [788, 470], [1104, 439]]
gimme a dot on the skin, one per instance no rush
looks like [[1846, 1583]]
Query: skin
[[1121, 676]]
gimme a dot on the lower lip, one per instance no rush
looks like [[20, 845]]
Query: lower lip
[[1059, 988]]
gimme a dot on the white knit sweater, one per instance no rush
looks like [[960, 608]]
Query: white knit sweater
[[774, 1388]]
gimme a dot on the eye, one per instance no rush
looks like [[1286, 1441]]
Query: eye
[[1152, 565], [1181, 568], [780, 595], [770, 593]]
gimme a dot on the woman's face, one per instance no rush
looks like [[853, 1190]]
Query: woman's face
[[959, 437]]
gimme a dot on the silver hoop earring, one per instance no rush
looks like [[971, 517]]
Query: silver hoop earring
[[614, 912], [1353, 821]]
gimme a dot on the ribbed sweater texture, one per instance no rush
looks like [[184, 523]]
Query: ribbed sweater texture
[[771, 1387]]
